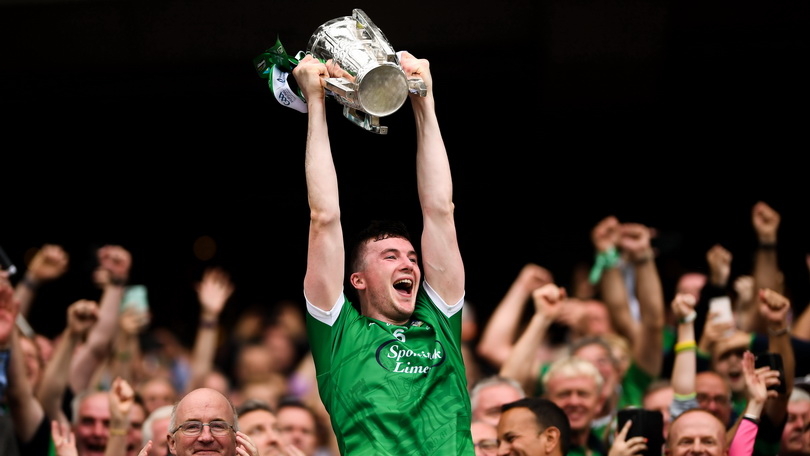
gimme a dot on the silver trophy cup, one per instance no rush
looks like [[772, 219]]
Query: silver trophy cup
[[378, 86]]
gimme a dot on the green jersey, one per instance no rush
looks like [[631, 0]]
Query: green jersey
[[389, 389]]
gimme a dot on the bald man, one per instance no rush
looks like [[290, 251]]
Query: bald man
[[696, 431], [205, 420]]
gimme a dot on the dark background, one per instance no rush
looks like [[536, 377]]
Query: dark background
[[143, 123]]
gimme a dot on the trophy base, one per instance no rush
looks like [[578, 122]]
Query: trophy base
[[364, 120]]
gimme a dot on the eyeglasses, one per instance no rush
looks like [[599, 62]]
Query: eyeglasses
[[218, 428], [487, 444]]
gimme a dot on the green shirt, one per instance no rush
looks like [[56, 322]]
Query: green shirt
[[389, 389], [593, 447], [633, 385]]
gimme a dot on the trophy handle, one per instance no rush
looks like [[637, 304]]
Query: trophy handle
[[342, 87], [364, 120], [417, 85]]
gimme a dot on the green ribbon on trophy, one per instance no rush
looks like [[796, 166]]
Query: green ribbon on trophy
[[275, 65]]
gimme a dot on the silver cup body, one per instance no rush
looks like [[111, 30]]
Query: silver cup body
[[378, 86]]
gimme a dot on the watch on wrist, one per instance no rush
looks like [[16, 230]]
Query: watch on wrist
[[688, 318]]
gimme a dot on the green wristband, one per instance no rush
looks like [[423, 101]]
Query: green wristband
[[607, 259]]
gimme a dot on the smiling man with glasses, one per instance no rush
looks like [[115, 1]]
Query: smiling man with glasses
[[205, 421], [194, 428]]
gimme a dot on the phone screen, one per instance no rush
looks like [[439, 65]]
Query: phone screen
[[135, 297], [774, 361], [646, 423], [721, 308]]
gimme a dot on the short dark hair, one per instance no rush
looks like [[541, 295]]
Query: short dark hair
[[292, 401], [251, 405], [377, 230], [547, 414]]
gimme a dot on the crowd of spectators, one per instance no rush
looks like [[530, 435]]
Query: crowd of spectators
[[616, 339]]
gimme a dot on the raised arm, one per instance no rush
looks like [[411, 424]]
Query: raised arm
[[520, 365], [766, 267], [112, 274], [605, 237], [81, 316], [718, 258], [766, 272], [684, 367], [48, 263], [126, 359], [501, 330], [744, 303], [26, 411], [648, 346], [774, 310], [441, 258], [323, 281], [64, 439], [122, 398], [213, 292], [756, 382]]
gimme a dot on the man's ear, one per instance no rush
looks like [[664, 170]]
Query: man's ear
[[357, 280], [551, 439], [170, 440]]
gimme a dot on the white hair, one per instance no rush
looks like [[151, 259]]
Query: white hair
[[571, 366], [490, 381], [157, 414], [799, 394], [76, 403]]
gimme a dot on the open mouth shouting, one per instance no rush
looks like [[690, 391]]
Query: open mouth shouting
[[404, 286]]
